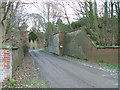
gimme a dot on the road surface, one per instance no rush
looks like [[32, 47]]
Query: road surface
[[61, 73]]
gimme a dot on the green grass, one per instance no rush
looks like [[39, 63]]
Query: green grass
[[110, 66]]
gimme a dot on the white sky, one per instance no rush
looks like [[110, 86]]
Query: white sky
[[35, 6], [38, 8]]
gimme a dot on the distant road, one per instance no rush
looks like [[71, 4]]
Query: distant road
[[62, 73]]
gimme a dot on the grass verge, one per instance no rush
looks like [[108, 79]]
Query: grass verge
[[110, 66]]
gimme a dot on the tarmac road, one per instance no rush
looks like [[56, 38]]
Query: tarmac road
[[61, 73]]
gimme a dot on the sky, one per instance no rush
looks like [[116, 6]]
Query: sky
[[35, 6]]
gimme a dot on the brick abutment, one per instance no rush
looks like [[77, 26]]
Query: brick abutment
[[5, 65]]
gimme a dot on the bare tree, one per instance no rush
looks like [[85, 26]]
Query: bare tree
[[9, 9]]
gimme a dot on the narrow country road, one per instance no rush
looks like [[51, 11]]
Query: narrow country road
[[60, 73]]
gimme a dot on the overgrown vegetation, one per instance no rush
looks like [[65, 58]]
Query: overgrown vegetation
[[101, 25], [106, 38]]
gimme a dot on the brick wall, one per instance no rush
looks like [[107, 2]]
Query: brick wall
[[78, 44], [5, 67]]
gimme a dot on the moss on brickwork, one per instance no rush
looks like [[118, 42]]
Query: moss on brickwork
[[7, 46], [78, 44], [72, 46]]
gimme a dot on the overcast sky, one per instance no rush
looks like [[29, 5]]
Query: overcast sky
[[36, 6]]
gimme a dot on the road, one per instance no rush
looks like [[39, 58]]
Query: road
[[61, 73]]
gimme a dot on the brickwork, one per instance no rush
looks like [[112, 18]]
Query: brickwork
[[4, 65], [77, 44]]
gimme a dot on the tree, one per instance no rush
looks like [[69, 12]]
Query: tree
[[32, 36], [7, 17]]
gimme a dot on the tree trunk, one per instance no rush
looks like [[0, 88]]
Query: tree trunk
[[105, 22], [111, 9], [1, 25], [119, 27], [96, 22], [67, 16], [91, 18], [112, 28]]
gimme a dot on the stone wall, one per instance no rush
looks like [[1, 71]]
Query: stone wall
[[53, 45], [56, 43]]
